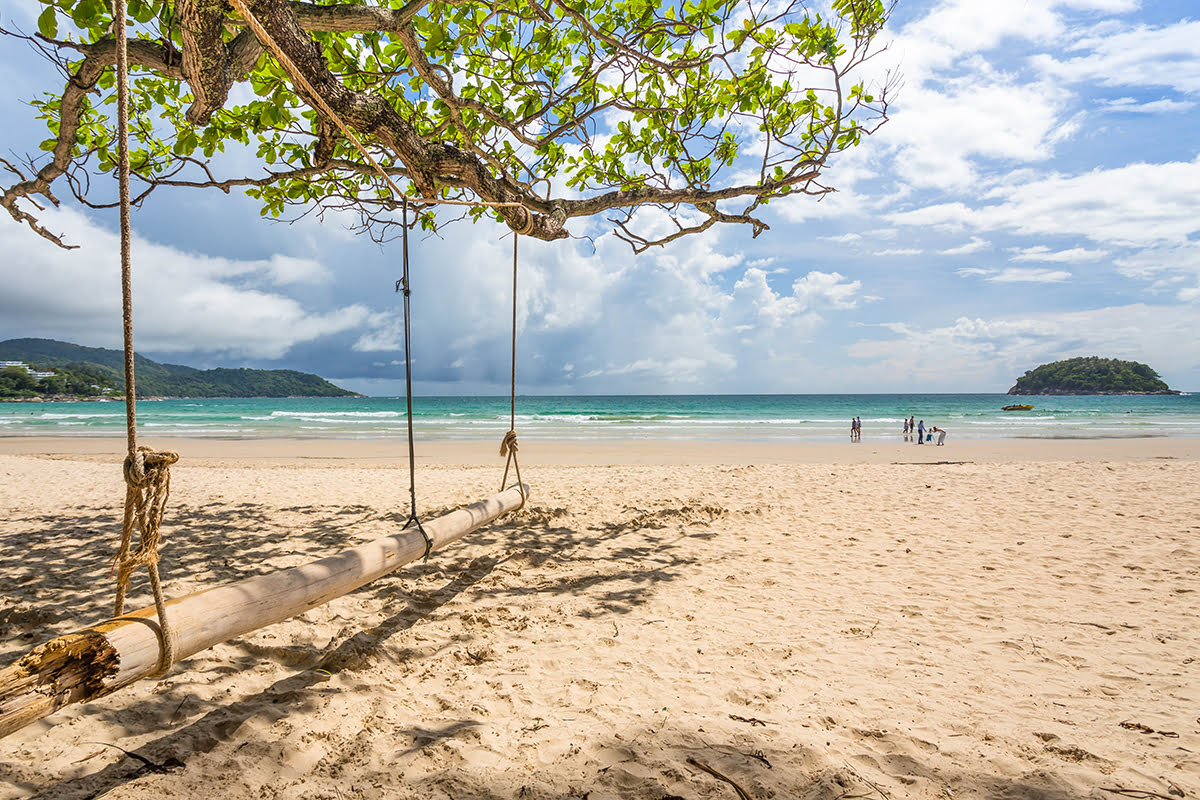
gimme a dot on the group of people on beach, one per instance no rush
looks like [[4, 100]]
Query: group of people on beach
[[913, 428], [923, 435]]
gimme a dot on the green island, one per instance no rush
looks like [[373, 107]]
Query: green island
[[1091, 375], [45, 369]]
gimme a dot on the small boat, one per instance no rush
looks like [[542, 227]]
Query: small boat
[[1017, 408]]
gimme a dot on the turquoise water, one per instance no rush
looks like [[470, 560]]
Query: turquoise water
[[681, 417]]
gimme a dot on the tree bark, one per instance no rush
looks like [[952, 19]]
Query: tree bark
[[98, 661]]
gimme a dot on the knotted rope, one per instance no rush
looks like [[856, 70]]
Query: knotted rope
[[147, 487], [147, 473]]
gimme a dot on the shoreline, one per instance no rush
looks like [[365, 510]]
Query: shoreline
[[482, 452]]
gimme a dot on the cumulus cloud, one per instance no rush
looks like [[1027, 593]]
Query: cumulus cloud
[[183, 302]]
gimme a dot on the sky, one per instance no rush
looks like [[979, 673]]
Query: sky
[[1035, 196]]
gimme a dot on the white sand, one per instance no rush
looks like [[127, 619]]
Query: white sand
[[810, 622]]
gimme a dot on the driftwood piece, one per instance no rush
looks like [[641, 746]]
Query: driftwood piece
[[98, 661]]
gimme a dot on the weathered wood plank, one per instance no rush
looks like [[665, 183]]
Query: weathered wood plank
[[100, 660]]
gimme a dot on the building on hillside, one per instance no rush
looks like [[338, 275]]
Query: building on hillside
[[35, 373]]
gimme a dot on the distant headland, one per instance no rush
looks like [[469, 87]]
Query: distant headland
[[1091, 375], [45, 369]]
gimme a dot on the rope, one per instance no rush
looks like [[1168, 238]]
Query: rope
[[403, 284], [147, 473], [147, 487], [509, 446], [526, 228]]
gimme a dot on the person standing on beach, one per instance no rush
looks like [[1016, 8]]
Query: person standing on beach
[[911, 426], [853, 428], [858, 427], [906, 429], [921, 432]]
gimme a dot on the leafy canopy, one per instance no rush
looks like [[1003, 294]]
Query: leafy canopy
[[570, 108]]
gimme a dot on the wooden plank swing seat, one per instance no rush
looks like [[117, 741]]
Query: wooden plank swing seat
[[99, 660]]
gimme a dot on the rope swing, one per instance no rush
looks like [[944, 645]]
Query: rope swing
[[509, 446], [147, 472], [404, 285]]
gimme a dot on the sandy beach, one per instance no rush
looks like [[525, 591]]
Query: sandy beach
[[1013, 619]]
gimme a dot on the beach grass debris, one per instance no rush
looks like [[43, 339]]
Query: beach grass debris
[[698, 764], [1137, 726], [752, 721], [1139, 794], [163, 768]]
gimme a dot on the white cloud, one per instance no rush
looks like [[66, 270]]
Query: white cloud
[[974, 246], [183, 302], [942, 129], [1016, 275], [1030, 276], [831, 289], [1042, 253], [1141, 56], [1128, 105], [285, 270], [1138, 205], [900, 251], [1167, 269]]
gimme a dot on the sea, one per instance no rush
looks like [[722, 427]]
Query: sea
[[818, 417]]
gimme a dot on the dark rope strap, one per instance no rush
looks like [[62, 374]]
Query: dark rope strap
[[403, 285], [147, 473]]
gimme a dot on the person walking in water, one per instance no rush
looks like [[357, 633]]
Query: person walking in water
[[921, 432], [906, 429], [858, 429]]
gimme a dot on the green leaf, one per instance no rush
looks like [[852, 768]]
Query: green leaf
[[48, 23]]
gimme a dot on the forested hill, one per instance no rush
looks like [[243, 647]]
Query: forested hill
[[1091, 375], [80, 370]]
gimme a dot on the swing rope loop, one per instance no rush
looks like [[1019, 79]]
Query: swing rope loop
[[146, 471]]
